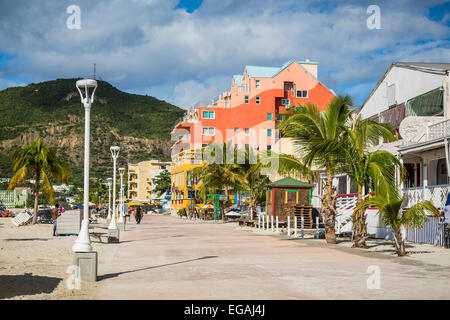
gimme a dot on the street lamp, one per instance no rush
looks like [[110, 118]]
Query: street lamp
[[109, 198], [115, 154], [121, 172], [83, 242]]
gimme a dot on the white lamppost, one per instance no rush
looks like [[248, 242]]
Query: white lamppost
[[109, 198], [115, 154], [121, 172], [83, 242]]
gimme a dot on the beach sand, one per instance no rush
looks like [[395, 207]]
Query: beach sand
[[33, 263]]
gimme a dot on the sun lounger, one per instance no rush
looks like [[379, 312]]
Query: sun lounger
[[22, 218]]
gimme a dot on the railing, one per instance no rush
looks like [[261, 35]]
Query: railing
[[436, 194], [438, 130]]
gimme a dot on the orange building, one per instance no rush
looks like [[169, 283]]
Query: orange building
[[244, 116]]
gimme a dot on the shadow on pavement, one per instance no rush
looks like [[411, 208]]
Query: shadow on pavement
[[26, 284], [113, 275], [28, 239]]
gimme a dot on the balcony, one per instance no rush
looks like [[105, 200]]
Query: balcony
[[436, 194], [438, 130]]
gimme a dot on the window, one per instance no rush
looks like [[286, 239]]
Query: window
[[291, 196], [246, 130], [287, 87], [269, 132], [208, 131], [208, 114], [269, 116], [257, 99], [246, 99], [236, 130], [269, 147], [246, 146], [285, 102], [204, 145], [302, 93], [258, 84], [236, 146]]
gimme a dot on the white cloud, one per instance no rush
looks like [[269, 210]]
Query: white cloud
[[146, 46]]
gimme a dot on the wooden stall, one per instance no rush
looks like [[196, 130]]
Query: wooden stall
[[283, 196]]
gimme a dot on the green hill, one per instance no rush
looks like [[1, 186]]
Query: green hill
[[140, 125]]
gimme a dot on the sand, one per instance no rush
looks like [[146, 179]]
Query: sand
[[33, 263]]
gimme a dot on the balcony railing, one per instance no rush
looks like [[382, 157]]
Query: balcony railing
[[436, 194], [438, 130]]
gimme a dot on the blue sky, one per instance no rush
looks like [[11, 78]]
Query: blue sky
[[187, 51]]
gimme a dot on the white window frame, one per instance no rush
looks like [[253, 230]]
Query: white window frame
[[209, 131], [258, 100], [257, 84], [301, 96]]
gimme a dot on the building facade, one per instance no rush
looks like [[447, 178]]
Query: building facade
[[245, 117], [140, 184], [414, 99], [17, 198]]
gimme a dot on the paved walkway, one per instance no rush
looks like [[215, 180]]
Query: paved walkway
[[168, 258]]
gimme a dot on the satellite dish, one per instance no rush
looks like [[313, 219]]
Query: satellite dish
[[414, 128]]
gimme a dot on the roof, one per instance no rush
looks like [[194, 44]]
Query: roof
[[425, 65], [429, 67], [289, 182], [261, 72]]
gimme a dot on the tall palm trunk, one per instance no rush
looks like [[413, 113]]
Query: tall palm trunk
[[359, 233], [329, 210], [36, 197], [399, 243]]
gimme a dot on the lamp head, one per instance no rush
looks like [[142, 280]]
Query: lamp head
[[115, 151], [83, 87], [121, 171]]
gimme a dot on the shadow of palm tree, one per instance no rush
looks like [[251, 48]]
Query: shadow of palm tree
[[27, 239], [113, 275], [26, 284]]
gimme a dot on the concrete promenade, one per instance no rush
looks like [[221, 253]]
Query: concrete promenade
[[169, 258]]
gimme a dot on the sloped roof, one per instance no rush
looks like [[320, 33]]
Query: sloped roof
[[429, 67], [289, 182], [425, 65], [261, 72]]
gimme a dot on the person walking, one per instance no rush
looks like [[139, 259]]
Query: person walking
[[138, 215], [55, 215]]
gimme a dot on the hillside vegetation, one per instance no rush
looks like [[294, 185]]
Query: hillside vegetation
[[140, 125]]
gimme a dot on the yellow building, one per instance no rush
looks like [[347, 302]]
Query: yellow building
[[140, 175], [184, 188]]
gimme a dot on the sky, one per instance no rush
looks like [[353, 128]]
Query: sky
[[187, 51]]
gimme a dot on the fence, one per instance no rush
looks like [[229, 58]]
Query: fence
[[431, 233]]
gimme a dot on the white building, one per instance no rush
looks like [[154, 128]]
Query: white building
[[414, 99]]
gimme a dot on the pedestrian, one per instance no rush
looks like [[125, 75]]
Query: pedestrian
[[138, 215], [55, 215]]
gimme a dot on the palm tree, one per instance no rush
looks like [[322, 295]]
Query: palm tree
[[391, 214], [320, 139], [255, 182], [368, 170], [38, 161], [218, 176]]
